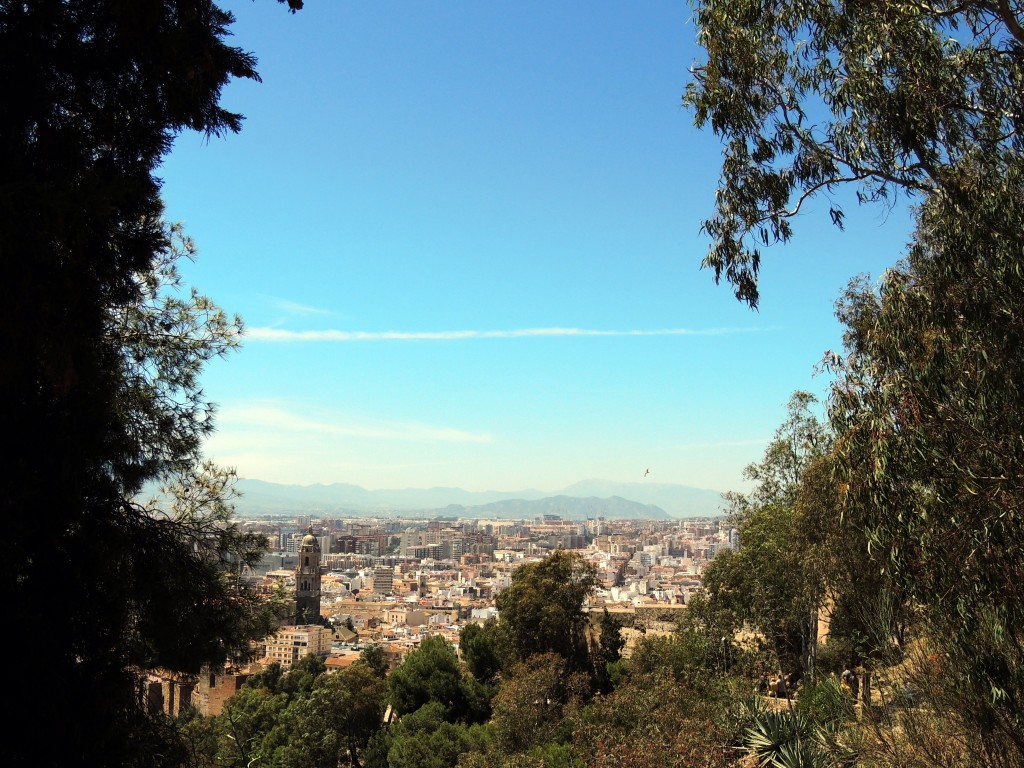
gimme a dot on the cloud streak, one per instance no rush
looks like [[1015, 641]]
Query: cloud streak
[[263, 417], [280, 335]]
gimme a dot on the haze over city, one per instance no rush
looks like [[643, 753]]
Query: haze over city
[[465, 240]]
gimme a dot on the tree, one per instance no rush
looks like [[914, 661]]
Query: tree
[[424, 739], [797, 442], [654, 720], [479, 648], [531, 707], [924, 99], [300, 718], [98, 371], [902, 96], [542, 609], [868, 617], [763, 583], [243, 727], [376, 659], [772, 581], [432, 673], [611, 638], [801, 556], [354, 699], [928, 407], [304, 675], [336, 720]]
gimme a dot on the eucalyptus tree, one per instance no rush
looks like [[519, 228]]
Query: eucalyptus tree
[[928, 402], [772, 581], [919, 98], [925, 100]]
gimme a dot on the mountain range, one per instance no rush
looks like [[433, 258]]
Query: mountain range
[[588, 498]]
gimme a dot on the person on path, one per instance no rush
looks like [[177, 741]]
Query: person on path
[[849, 681], [762, 685], [781, 691]]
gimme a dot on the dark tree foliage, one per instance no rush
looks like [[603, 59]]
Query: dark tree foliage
[[334, 722], [424, 739], [373, 656], [432, 673], [301, 719], [654, 720], [531, 707], [98, 373], [612, 641], [479, 648]]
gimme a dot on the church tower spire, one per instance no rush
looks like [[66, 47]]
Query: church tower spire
[[307, 580]]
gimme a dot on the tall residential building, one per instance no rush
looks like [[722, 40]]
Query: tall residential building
[[383, 580], [307, 580], [734, 539]]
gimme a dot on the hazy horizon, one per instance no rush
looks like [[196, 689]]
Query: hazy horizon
[[485, 490]]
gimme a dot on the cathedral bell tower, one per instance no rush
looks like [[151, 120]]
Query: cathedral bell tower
[[307, 581]]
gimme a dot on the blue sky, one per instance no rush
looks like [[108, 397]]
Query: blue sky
[[465, 241]]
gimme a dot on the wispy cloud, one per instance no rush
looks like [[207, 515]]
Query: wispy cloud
[[281, 335], [265, 417]]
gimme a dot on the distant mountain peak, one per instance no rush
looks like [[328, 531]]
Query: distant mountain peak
[[260, 497]]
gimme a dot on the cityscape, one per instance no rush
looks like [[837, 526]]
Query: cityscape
[[394, 581], [754, 271]]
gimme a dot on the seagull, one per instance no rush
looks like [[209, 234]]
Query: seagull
[[647, 473]]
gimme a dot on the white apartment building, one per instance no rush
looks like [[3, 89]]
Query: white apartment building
[[292, 643]]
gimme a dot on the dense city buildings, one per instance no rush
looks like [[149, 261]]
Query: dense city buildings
[[392, 582]]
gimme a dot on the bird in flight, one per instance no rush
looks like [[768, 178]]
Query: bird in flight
[[647, 473]]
